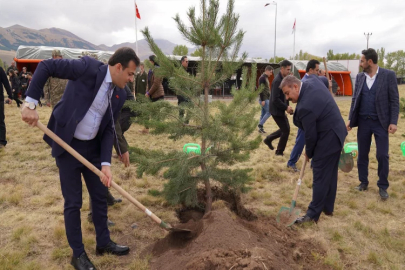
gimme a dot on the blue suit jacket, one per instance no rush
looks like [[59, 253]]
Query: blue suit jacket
[[323, 79], [386, 99], [318, 115], [85, 77]]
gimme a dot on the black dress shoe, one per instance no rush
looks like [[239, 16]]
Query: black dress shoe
[[293, 167], [111, 200], [82, 263], [383, 194], [112, 248], [268, 143], [304, 219], [279, 153], [328, 213], [362, 187]]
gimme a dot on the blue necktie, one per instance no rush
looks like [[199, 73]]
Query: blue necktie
[[110, 91]]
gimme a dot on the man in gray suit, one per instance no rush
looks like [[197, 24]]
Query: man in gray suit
[[374, 110]]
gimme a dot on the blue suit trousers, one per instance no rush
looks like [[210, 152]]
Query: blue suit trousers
[[70, 173], [368, 127], [298, 148]]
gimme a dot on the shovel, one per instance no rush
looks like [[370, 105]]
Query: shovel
[[288, 216], [94, 169]]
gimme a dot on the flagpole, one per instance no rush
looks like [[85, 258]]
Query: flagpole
[[295, 27], [136, 31]]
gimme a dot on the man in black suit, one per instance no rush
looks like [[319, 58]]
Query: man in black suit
[[84, 118], [318, 115], [278, 107], [374, 110]]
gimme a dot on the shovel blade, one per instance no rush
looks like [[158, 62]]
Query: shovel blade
[[287, 216]]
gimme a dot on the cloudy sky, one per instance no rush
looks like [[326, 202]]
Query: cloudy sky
[[321, 25]]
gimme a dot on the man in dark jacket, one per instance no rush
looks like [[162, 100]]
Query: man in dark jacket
[[141, 81], [182, 99], [278, 107], [3, 83], [24, 81], [319, 116], [374, 110]]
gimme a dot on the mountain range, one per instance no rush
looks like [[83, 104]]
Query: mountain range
[[16, 35]]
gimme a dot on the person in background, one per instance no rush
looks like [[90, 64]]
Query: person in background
[[15, 87], [141, 81], [155, 92], [264, 97], [278, 107], [375, 111], [23, 81], [4, 83]]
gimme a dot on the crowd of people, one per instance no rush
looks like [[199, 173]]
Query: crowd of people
[[99, 121], [322, 130]]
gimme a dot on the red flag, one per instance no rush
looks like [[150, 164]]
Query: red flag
[[294, 26], [137, 12]]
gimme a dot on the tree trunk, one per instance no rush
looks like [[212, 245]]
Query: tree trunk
[[208, 195]]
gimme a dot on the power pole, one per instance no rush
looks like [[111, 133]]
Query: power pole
[[367, 37]]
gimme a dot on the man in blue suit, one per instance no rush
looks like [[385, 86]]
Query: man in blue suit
[[84, 119], [312, 69], [374, 110], [318, 115]]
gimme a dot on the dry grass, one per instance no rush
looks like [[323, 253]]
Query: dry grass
[[365, 232]]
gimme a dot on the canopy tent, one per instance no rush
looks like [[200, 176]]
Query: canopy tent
[[336, 70], [30, 56], [235, 79]]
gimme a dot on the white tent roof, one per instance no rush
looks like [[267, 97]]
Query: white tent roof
[[45, 52]]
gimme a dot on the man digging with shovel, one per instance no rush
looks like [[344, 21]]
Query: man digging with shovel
[[84, 119], [318, 115]]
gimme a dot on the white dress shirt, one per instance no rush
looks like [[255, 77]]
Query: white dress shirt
[[370, 81], [88, 127]]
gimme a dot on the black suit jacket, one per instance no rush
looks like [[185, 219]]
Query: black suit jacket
[[319, 116], [277, 104], [386, 98], [85, 78]]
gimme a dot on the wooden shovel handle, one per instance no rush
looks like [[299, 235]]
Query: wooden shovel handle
[[297, 188], [94, 169]]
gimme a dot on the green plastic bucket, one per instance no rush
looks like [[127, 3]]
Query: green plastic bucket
[[403, 148], [351, 148], [192, 148]]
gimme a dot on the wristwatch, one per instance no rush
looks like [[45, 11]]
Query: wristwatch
[[30, 105]]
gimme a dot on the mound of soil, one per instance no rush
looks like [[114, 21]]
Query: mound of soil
[[221, 240]]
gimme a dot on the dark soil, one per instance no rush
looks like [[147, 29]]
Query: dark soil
[[223, 240]]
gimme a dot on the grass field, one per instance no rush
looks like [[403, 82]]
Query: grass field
[[365, 232]]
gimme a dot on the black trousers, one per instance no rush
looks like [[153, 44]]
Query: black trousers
[[282, 133], [70, 173], [325, 173], [368, 127], [2, 125], [16, 99], [157, 99]]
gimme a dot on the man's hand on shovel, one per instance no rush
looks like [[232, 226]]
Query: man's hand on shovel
[[29, 116], [106, 176]]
